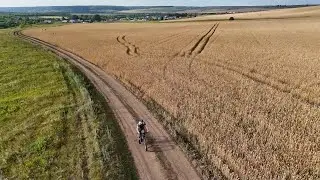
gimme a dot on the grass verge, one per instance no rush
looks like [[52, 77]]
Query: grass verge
[[53, 123]]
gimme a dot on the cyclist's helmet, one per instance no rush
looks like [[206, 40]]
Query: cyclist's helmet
[[141, 121]]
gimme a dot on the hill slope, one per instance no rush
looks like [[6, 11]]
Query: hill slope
[[313, 11]]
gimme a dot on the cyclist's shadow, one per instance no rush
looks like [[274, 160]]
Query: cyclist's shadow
[[160, 143]]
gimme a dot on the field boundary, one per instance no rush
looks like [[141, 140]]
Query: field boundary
[[121, 144], [73, 86]]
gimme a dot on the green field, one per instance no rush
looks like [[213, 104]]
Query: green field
[[53, 123]]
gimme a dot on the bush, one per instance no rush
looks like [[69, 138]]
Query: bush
[[96, 18], [231, 18]]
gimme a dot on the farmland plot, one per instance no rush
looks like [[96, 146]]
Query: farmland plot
[[296, 13], [247, 92]]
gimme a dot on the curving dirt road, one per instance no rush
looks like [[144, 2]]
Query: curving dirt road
[[164, 160]]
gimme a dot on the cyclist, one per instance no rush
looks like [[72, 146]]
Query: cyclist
[[141, 125]]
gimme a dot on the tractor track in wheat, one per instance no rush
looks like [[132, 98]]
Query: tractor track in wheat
[[172, 37], [270, 82], [131, 49], [200, 44], [202, 41]]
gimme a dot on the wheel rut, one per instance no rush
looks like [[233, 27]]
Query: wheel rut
[[200, 44], [272, 82], [192, 52], [131, 49]]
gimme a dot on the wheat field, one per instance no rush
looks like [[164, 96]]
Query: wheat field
[[247, 90]]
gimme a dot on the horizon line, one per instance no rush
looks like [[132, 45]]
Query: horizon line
[[162, 5]]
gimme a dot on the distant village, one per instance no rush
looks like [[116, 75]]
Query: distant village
[[121, 17], [109, 19], [14, 20], [22, 19]]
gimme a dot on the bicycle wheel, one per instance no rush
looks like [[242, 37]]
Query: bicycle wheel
[[145, 143]]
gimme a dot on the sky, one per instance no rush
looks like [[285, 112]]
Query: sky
[[22, 3]]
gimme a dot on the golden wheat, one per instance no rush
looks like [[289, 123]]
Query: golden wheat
[[297, 13]]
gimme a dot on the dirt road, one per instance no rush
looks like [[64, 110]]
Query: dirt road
[[164, 160]]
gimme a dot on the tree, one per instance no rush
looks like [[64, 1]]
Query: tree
[[85, 17], [96, 17], [74, 17], [3, 25]]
